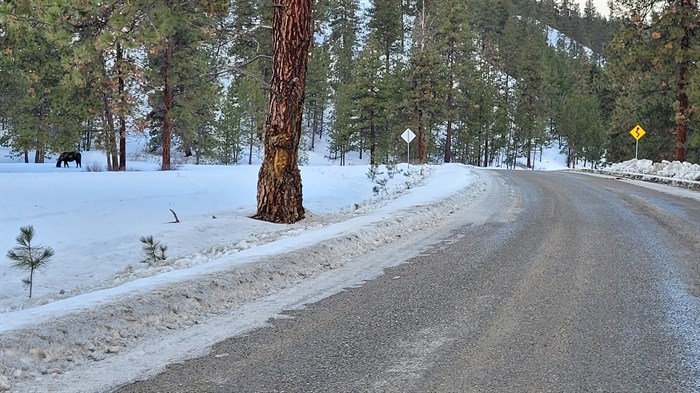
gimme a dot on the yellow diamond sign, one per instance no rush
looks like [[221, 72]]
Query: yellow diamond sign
[[637, 132]]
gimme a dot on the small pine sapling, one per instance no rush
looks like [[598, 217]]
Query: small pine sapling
[[380, 187], [373, 172], [27, 256], [154, 251], [391, 169]]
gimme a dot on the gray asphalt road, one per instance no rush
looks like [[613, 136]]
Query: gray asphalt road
[[594, 287]]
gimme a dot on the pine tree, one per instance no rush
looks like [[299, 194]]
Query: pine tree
[[343, 24], [580, 123], [530, 105], [368, 97], [428, 76], [652, 60], [279, 180], [317, 90], [42, 115], [179, 73], [386, 26], [453, 39], [228, 132], [27, 256], [154, 251]]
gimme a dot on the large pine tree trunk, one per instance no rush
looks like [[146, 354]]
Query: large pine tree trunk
[[109, 143], [448, 134], [683, 80], [122, 117], [108, 116], [167, 105], [448, 141], [422, 140], [279, 179], [486, 146], [40, 150]]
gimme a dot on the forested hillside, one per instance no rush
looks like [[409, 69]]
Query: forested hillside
[[477, 80]]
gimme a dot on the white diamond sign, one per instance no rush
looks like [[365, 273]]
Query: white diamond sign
[[408, 135]]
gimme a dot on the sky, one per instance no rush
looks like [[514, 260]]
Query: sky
[[96, 297]]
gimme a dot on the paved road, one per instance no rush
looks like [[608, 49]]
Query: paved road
[[593, 287]]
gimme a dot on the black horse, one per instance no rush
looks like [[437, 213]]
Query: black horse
[[67, 156]]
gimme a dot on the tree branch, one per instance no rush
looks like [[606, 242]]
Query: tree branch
[[174, 215]]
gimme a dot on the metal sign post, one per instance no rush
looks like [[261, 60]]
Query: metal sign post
[[408, 136], [637, 133]]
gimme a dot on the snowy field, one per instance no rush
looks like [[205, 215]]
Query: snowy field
[[97, 308]]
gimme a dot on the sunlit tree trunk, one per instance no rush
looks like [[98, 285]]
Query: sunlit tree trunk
[[279, 179]]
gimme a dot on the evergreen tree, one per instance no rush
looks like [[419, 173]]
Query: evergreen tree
[[343, 24], [40, 111], [178, 71], [428, 76], [154, 251], [368, 96], [345, 130], [453, 39], [279, 180], [317, 90], [580, 124], [250, 50], [341, 41], [27, 256], [239, 129], [104, 68], [652, 60], [529, 116], [229, 132], [386, 26]]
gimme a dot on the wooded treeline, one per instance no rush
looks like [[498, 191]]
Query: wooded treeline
[[478, 81]]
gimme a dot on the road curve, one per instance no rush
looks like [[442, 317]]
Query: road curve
[[594, 286]]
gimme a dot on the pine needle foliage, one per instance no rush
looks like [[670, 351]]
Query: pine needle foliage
[[29, 257], [154, 251]]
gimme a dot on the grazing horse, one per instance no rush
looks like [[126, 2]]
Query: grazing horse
[[67, 156]]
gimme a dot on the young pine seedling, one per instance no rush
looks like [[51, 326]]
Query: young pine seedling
[[29, 257]]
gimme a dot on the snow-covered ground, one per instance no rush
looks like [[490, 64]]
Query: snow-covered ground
[[679, 174], [675, 169], [96, 307], [96, 299]]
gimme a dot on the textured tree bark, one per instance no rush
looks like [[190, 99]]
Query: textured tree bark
[[683, 81], [123, 104], [422, 142], [167, 106], [448, 133], [279, 179]]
